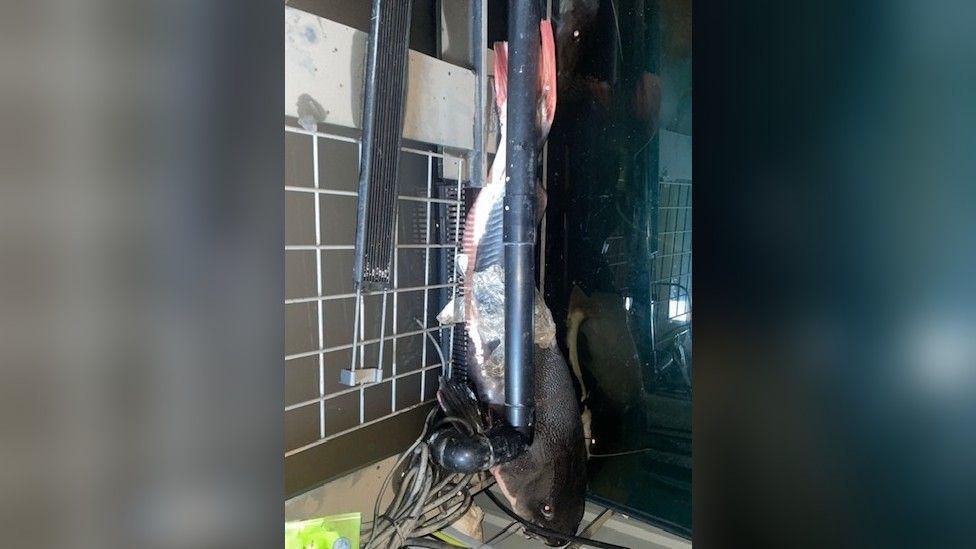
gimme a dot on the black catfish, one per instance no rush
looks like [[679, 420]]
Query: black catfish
[[547, 484]]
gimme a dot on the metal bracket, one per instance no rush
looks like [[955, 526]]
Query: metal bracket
[[361, 376]]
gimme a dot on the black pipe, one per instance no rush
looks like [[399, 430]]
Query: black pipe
[[519, 216]]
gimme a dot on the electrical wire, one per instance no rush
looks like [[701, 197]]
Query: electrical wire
[[627, 453], [503, 534], [428, 543], [389, 476], [616, 26], [428, 498], [545, 532], [437, 346]]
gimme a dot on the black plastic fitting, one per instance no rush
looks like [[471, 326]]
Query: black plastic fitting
[[461, 453]]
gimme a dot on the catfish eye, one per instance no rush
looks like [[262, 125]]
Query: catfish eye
[[547, 511]]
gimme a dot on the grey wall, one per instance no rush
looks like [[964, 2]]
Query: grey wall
[[356, 13], [338, 170]]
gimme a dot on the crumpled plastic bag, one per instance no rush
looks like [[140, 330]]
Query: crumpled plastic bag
[[488, 287]]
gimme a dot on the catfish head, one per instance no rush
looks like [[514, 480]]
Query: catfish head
[[546, 491], [547, 484]]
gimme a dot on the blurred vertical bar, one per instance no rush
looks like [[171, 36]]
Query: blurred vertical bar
[[142, 273], [478, 45]]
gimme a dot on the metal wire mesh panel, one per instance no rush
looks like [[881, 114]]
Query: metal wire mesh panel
[[671, 260], [329, 325], [671, 265]]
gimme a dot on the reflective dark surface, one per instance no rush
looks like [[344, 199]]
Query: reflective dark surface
[[618, 244]]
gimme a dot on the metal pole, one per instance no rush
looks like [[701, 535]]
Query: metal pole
[[478, 43], [519, 216]]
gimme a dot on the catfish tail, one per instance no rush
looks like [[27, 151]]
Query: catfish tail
[[458, 401]]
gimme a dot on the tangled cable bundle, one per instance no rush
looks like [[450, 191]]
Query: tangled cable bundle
[[428, 499]]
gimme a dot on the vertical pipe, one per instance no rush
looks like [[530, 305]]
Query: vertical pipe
[[519, 215], [478, 44]]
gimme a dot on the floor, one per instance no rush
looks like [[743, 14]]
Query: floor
[[355, 492]]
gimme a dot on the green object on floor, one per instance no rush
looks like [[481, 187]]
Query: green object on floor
[[332, 532], [447, 538]]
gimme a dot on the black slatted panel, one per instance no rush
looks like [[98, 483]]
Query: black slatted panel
[[453, 221], [383, 108]]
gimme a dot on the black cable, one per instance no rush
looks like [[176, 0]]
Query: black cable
[[428, 543], [412, 470], [545, 532], [428, 499], [618, 454], [453, 420], [437, 346], [504, 532]]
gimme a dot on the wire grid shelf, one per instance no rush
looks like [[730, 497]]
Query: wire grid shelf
[[383, 320], [671, 263]]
